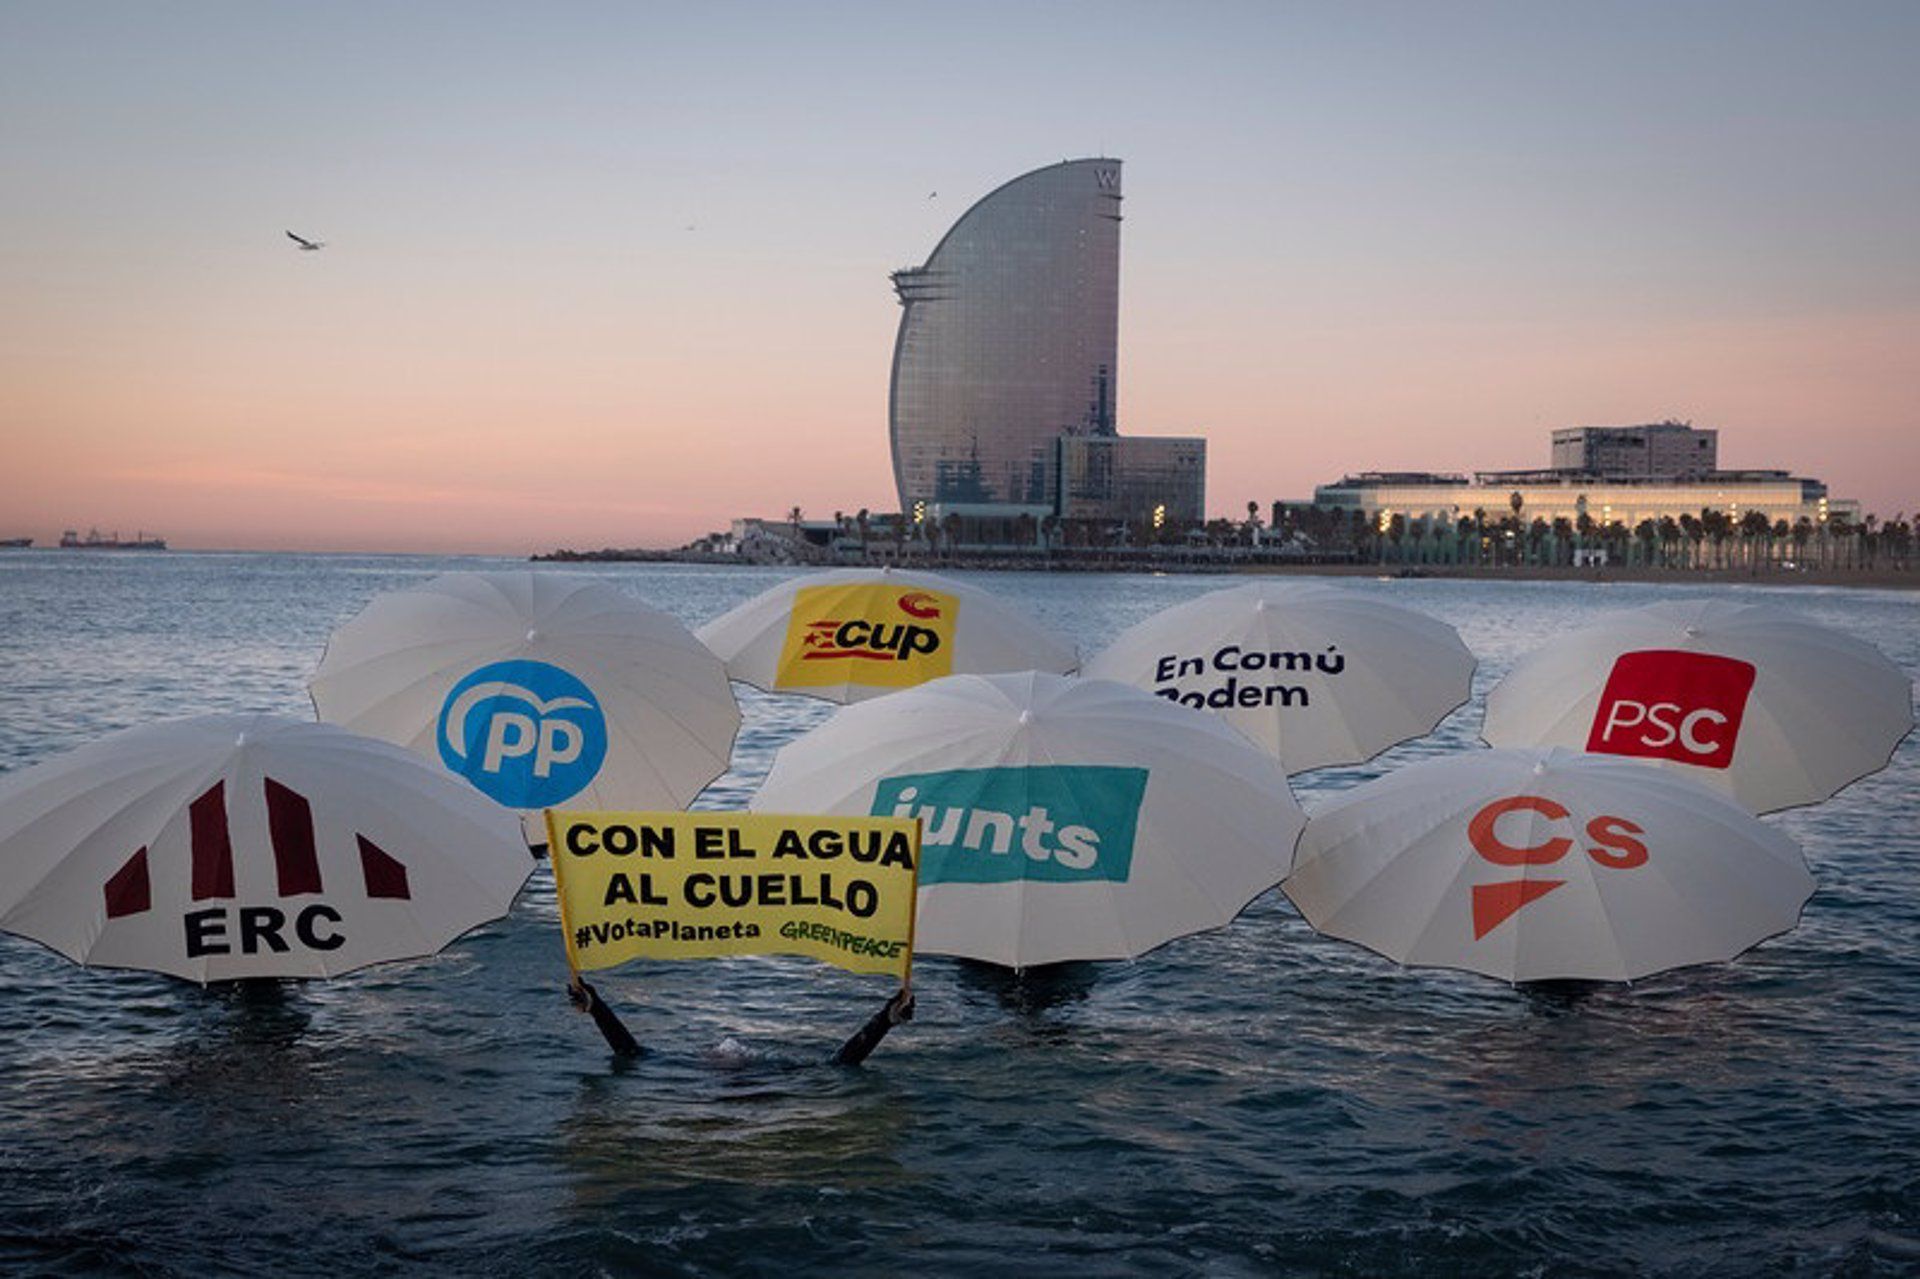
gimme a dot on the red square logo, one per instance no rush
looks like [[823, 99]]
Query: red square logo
[[1668, 704]]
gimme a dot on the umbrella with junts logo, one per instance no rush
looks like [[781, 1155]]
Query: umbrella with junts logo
[[1545, 865], [1752, 700], [539, 688], [1061, 819], [851, 634], [230, 846], [1316, 675]]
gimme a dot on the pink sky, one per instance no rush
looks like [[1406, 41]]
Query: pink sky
[[615, 279]]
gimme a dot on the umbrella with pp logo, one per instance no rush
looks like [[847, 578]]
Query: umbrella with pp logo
[[538, 688], [852, 634], [232, 846], [1316, 675], [1751, 700], [1545, 865], [1061, 819]]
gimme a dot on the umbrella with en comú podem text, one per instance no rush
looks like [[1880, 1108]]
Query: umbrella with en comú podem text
[[1316, 675], [1754, 701], [237, 846], [851, 634], [1547, 865]]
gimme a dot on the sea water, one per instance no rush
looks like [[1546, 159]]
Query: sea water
[[1256, 1100]]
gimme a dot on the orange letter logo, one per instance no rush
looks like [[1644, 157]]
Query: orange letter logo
[[1487, 842]]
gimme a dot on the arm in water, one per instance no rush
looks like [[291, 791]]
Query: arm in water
[[868, 1037], [587, 1000]]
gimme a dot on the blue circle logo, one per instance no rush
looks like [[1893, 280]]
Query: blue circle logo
[[525, 733]]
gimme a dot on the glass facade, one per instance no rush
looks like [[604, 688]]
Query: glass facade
[[1779, 497], [1008, 340], [1130, 478]]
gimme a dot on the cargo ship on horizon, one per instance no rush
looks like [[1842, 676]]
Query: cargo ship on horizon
[[72, 541]]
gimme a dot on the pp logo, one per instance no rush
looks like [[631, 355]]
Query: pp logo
[[525, 733], [1667, 704]]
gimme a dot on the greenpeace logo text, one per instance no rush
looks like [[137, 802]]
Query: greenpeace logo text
[[1058, 823], [1667, 704]]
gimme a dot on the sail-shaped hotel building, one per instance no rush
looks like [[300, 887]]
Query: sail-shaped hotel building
[[1005, 388]]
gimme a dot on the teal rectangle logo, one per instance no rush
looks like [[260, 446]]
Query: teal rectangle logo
[[1051, 823]]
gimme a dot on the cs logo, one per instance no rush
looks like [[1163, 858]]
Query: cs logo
[[525, 733]]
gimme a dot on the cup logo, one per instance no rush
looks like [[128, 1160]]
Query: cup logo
[[1667, 704], [525, 733], [872, 633], [1054, 823]]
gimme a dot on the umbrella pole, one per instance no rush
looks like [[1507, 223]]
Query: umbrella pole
[[588, 1000], [868, 1037]]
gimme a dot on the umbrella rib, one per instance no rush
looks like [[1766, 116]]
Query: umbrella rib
[[65, 863], [1359, 889]]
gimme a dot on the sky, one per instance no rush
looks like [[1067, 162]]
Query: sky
[[613, 275]]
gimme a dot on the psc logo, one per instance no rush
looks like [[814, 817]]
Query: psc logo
[[525, 733], [1056, 823], [1668, 704], [1612, 845], [870, 633]]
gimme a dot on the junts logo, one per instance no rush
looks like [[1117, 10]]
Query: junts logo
[[252, 930], [1610, 842], [1059, 823], [867, 633], [527, 734], [1667, 704]]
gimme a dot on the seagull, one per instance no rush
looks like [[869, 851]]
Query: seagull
[[306, 245]]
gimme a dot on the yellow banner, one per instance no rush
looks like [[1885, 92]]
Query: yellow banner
[[700, 885], [873, 633]]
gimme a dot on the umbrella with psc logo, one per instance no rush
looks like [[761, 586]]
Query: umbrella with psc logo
[[852, 634], [1750, 700], [232, 846], [1061, 819], [1545, 865], [540, 689]]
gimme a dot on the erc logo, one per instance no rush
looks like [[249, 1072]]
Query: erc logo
[[1053, 823], [526, 734], [1611, 843], [1667, 704], [867, 633], [225, 929]]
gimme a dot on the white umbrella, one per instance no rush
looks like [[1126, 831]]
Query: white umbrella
[[1539, 865], [1749, 699], [1062, 819], [249, 846], [851, 634], [538, 688], [1316, 675]]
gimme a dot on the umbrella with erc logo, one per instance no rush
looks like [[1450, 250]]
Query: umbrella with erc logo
[[852, 634], [540, 689], [232, 846], [1545, 865], [1751, 700], [1316, 675], [1061, 819]]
